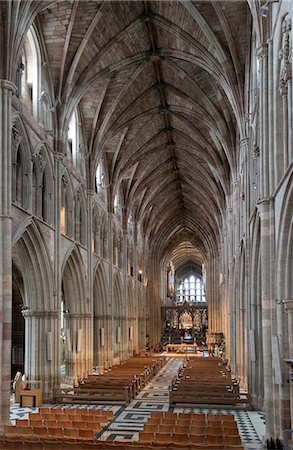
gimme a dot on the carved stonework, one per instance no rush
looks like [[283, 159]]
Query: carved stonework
[[262, 51], [256, 151], [16, 138], [64, 181], [285, 57], [29, 314], [79, 315]]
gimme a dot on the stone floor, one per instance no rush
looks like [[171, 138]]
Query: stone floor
[[129, 420]]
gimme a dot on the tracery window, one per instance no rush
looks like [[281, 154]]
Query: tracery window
[[191, 290], [100, 185]]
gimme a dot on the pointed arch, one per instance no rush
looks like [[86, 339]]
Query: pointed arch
[[101, 288], [66, 204], [73, 280], [80, 216], [285, 244], [30, 252], [21, 164]]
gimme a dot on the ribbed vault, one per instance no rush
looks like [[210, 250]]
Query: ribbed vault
[[159, 88]]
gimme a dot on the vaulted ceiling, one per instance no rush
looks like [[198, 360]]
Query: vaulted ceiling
[[159, 85]]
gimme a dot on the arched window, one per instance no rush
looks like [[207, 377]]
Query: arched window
[[100, 185], [117, 207], [72, 139], [191, 290], [19, 176], [66, 206], [80, 218], [46, 112], [28, 72]]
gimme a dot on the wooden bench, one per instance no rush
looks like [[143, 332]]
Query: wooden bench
[[98, 396]]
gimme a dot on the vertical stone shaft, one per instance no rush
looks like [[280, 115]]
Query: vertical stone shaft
[[265, 210], [6, 91]]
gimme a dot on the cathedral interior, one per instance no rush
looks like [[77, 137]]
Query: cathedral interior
[[146, 192]]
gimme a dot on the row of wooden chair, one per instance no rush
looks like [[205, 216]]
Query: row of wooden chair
[[189, 421], [75, 411], [200, 416], [185, 438], [85, 433], [231, 431], [47, 444]]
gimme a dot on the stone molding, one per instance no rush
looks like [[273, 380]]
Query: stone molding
[[50, 314], [262, 51], [78, 315], [285, 58], [288, 304], [8, 86]]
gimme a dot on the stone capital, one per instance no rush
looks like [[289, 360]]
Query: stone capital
[[59, 156], [262, 51], [8, 86], [50, 314], [288, 304], [79, 315]]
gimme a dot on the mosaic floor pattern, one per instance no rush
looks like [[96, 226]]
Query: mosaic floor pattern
[[129, 421]]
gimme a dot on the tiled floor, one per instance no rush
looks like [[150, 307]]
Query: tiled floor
[[129, 420]]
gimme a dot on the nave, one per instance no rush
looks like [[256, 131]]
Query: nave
[[129, 420]]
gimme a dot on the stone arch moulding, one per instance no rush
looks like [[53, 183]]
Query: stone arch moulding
[[285, 244], [100, 290], [35, 266], [73, 278]]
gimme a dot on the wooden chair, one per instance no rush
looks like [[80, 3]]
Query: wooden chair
[[22, 422], [185, 416], [155, 420], [214, 423], [25, 431], [70, 433], [214, 431], [181, 429], [86, 434], [163, 428], [80, 425], [12, 443], [40, 431], [169, 420], [51, 424], [162, 438], [75, 418], [10, 430], [180, 439], [32, 443], [36, 422], [35, 415], [95, 426], [65, 423], [199, 439], [152, 427], [146, 437], [52, 444], [232, 440], [214, 441], [56, 433], [45, 409], [196, 430], [157, 414]]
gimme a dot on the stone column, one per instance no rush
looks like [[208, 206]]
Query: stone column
[[289, 310], [57, 245], [7, 89], [42, 348], [78, 361], [265, 214], [90, 299]]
